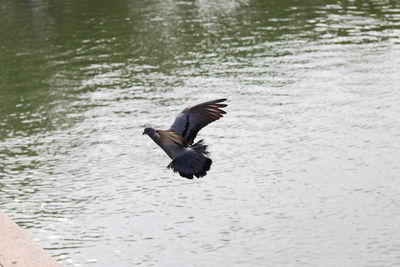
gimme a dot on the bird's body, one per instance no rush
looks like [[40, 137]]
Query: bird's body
[[187, 158]]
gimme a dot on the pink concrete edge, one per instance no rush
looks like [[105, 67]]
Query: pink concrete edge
[[17, 249]]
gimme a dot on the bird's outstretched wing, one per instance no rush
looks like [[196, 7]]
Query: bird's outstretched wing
[[192, 119]]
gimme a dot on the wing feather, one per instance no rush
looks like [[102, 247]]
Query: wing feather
[[171, 138], [172, 143], [192, 119]]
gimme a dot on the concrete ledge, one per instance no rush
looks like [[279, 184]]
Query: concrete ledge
[[17, 249]]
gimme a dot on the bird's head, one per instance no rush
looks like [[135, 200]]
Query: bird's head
[[149, 131]]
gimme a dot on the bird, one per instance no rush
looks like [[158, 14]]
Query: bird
[[188, 158]]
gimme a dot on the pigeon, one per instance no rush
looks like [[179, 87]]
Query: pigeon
[[188, 158]]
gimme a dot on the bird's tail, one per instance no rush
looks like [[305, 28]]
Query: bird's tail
[[192, 162]]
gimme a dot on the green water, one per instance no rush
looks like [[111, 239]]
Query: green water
[[306, 160]]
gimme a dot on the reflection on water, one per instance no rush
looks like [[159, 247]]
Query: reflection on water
[[305, 162]]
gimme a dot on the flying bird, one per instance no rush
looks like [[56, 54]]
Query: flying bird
[[188, 158]]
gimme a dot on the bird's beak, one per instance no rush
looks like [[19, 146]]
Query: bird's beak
[[143, 133]]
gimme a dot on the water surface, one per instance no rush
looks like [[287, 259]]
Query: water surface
[[306, 161]]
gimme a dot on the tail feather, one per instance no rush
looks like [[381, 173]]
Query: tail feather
[[192, 162]]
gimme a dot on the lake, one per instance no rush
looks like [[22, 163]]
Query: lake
[[305, 163]]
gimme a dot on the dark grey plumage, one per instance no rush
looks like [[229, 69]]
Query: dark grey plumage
[[187, 158]]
